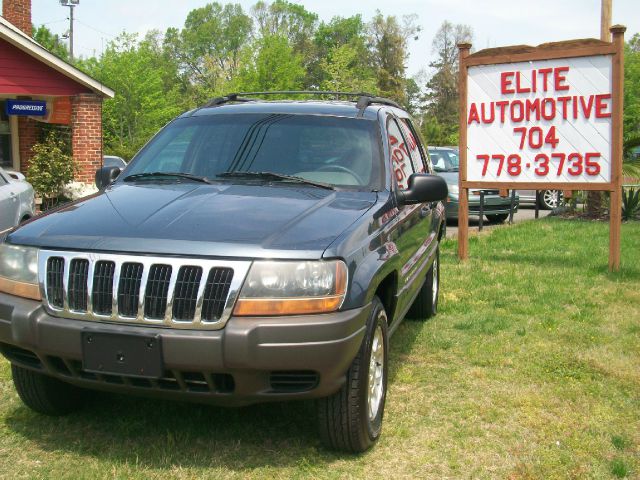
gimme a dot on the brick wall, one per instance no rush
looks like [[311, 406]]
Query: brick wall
[[18, 12], [86, 135], [28, 136]]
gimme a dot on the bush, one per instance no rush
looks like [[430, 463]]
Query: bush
[[51, 168], [630, 204]]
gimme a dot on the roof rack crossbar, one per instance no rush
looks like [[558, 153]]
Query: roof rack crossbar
[[364, 99]]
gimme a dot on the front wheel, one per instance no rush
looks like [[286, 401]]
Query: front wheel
[[350, 420], [45, 394]]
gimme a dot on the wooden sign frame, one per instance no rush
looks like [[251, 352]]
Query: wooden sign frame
[[548, 52]]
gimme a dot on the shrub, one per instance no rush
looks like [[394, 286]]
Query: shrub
[[51, 168], [630, 204]]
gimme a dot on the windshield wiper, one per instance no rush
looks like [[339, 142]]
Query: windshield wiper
[[188, 176], [275, 176]]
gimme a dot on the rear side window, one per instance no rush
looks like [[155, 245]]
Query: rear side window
[[416, 152]]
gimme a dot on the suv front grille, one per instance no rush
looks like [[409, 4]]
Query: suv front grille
[[163, 291]]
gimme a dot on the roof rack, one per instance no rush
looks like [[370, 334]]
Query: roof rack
[[364, 99]]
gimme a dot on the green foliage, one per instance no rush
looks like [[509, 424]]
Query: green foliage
[[146, 96], [275, 66], [389, 42], [342, 71], [442, 88], [630, 204], [207, 51], [51, 167], [51, 42]]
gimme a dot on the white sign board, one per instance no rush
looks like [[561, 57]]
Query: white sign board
[[546, 121]]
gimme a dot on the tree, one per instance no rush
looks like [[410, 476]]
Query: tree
[[138, 74], [51, 42], [208, 48], [442, 88], [273, 66], [341, 32], [389, 41], [631, 134], [343, 72]]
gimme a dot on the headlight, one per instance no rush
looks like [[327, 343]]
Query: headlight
[[293, 288], [19, 271], [453, 188]]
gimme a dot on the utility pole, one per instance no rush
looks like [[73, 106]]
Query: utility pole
[[605, 21], [71, 4]]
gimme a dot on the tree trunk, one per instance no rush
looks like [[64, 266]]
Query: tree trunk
[[594, 204]]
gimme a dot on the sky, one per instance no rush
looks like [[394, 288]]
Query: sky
[[495, 23]]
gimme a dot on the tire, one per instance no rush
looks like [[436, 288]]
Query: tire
[[350, 420], [426, 303], [45, 394], [548, 199], [498, 218]]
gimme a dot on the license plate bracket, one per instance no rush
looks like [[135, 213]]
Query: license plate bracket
[[122, 354]]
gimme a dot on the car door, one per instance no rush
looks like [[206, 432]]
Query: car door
[[9, 204], [415, 238]]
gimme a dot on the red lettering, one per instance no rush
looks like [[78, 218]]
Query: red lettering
[[545, 77], [473, 114], [505, 82], [551, 113], [484, 115], [503, 109], [586, 108], [563, 101], [602, 106], [519, 87], [558, 78], [520, 115], [575, 107], [532, 107]]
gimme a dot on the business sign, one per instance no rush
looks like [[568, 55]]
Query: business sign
[[543, 118], [545, 121], [26, 107]]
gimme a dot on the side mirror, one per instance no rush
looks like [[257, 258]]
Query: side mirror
[[106, 176], [423, 188]]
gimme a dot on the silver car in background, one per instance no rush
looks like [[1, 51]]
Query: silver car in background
[[17, 202]]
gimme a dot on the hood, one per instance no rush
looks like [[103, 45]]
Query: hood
[[255, 221]]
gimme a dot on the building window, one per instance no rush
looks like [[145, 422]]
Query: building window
[[5, 138]]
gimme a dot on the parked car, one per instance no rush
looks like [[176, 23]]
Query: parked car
[[16, 199], [270, 259], [446, 163], [546, 199]]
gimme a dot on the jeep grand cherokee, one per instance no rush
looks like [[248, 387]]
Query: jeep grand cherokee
[[251, 251]]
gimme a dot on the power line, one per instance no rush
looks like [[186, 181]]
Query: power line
[[95, 29]]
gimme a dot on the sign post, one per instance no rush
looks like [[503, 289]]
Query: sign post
[[543, 118]]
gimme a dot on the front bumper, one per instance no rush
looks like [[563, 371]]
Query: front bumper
[[252, 359], [493, 205]]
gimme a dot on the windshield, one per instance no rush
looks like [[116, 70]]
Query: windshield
[[344, 152], [444, 160]]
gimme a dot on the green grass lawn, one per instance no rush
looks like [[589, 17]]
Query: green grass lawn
[[531, 369]]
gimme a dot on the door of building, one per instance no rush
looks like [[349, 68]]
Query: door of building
[[5, 138]]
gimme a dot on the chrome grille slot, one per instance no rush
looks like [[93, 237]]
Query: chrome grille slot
[[129, 289], [155, 291], [102, 295], [186, 293], [55, 281], [78, 275], [215, 292]]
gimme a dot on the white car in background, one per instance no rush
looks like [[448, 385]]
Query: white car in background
[[17, 202]]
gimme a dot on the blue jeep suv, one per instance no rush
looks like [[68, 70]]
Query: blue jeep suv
[[252, 251]]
